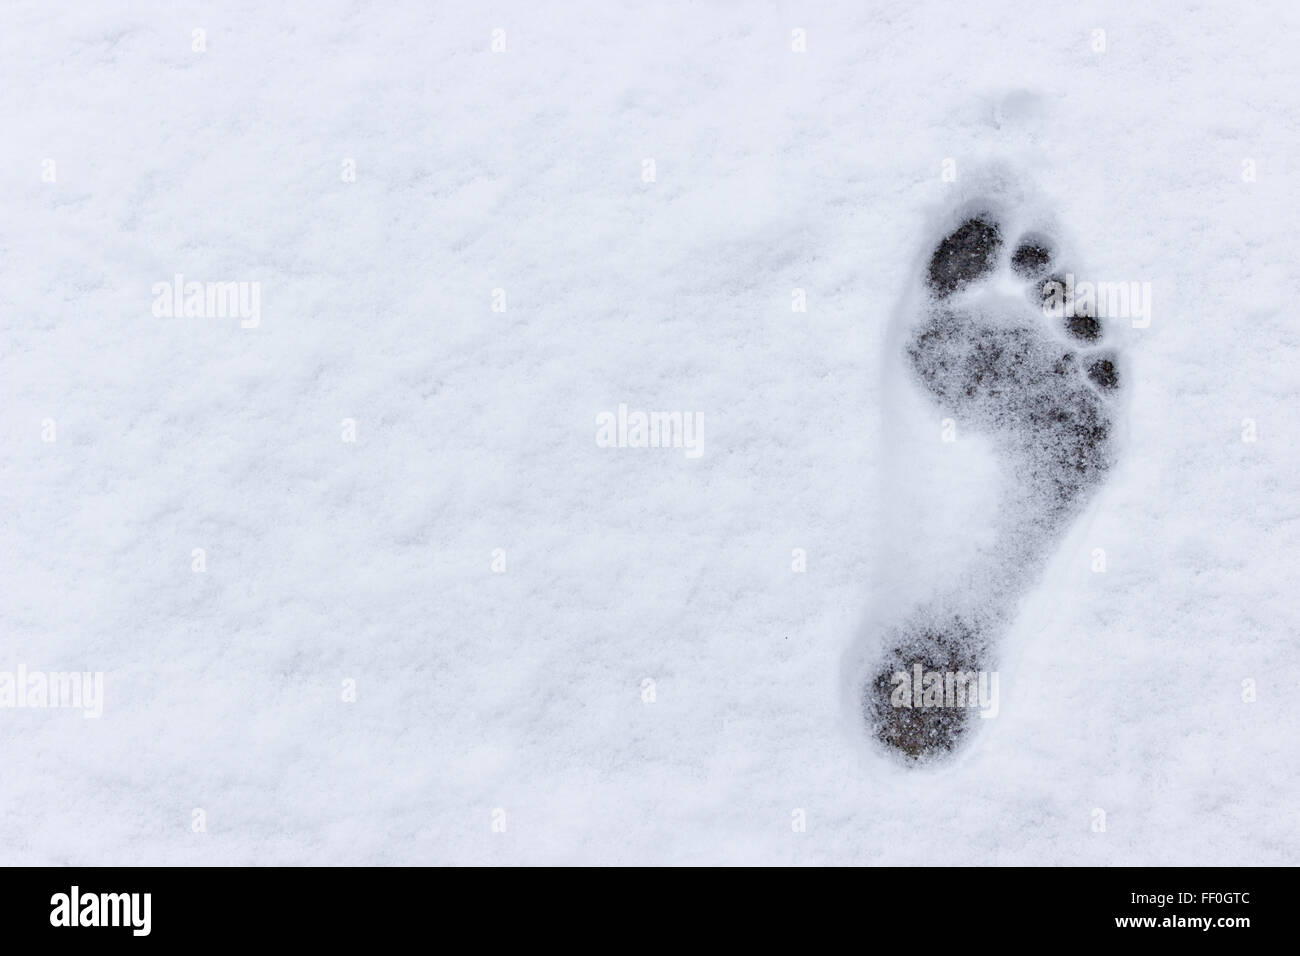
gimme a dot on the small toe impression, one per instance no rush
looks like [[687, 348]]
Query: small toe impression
[[1050, 293], [1032, 258], [1086, 328], [1053, 293], [966, 254], [1103, 374]]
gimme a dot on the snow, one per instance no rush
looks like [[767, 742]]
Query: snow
[[523, 690]]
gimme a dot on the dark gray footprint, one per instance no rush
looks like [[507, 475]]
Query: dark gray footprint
[[1036, 378]]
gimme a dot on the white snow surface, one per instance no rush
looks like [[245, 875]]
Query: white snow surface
[[517, 698]]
